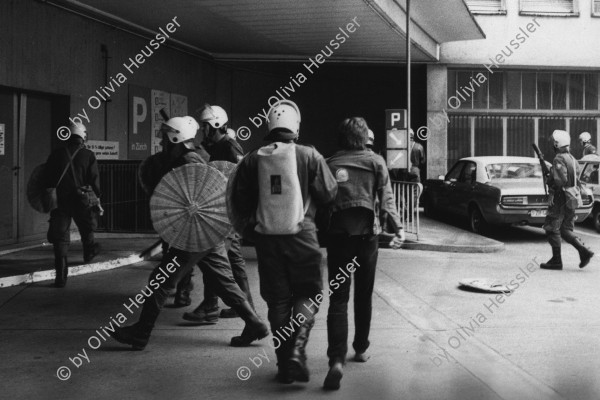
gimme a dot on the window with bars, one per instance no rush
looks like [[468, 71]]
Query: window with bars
[[523, 90], [548, 7], [486, 6]]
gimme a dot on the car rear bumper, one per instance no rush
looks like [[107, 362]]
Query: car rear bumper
[[515, 216]]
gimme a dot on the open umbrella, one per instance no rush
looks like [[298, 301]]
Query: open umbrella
[[188, 208], [224, 167]]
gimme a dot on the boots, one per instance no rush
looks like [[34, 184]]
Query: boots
[[334, 376], [585, 253], [203, 315], [297, 369], [255, 329], [283, 354], [90, 252], [555, 262], [184, 289], [136, 335], [62, 271]]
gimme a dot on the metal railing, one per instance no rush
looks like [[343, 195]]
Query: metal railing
[[126, 205], [406, 196]]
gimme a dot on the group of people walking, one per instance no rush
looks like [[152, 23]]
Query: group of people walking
[[280, 187]]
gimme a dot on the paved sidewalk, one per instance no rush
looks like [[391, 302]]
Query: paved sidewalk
[[37, 264]]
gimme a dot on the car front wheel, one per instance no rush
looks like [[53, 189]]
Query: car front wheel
[[476, 221]]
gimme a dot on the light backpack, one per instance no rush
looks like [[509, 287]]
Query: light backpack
[[280, 206]]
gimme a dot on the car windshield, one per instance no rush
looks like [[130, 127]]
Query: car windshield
[[513, 170]]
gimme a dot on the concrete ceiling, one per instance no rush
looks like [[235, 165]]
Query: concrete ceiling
[[293, 30]]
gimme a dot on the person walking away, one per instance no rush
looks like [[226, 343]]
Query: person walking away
[[78, 167], [417, 159], [364, 196], [214, 125], [560, 220], [585, 139], [180, 132], [280, 186]]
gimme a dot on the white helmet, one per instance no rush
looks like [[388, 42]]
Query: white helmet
[[78, 129], [370, 138], [231, 133], [585, 137], [181, 129], [214, 115], [561, 138], [285, 114]]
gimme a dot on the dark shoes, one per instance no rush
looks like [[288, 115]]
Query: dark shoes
[[62, 271], [585, 255], [555, 262], [361, 357], [182, 299], [334, 376], [90, 253], [133, 335], [203, 316], [297, 368], [251, 332]]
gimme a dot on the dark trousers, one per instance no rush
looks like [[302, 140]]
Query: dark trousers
[[238, 268], [215, 265], [59, 233], [289, 267], [560, 221], [341, 250]]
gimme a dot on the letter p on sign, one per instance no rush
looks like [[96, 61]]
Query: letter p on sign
[[395, 118], [140, 111]]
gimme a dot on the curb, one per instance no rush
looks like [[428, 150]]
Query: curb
[[494, 246], [83, 269]]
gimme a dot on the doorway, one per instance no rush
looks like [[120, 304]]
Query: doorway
[[28, 121]]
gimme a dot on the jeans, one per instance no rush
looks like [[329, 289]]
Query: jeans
[[341, 250]]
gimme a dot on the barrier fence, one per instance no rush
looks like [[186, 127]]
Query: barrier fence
[[126, 205], [406, 196]]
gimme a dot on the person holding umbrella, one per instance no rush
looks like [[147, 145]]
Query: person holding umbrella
[[273, 197], [181, 199], [214, 124]]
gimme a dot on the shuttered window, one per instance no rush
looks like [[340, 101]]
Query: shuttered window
[[486, 6], [548, 6]]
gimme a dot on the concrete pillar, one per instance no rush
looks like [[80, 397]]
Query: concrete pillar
[[437, 121]]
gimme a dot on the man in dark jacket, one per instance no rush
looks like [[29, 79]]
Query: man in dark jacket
[[82, 172], [288, 259], [363, 187]]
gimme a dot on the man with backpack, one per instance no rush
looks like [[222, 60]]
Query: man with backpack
[[279, 187], [70, 168]]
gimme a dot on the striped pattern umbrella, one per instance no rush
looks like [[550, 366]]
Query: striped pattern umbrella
[[224, 167], [188, 208]]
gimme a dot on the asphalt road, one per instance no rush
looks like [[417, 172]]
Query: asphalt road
[[430, 340]]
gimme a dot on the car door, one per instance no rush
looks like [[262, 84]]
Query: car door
[[463, 189], [590, 176], [448, 187]]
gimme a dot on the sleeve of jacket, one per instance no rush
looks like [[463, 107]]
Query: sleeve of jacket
[[245, 187], [386, 197], [94, 175], [558, 174], [323, 187]]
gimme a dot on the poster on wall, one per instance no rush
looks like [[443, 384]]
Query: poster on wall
[[103, 149], [179, 105], [2, 139], [139, 143], [160, 100]]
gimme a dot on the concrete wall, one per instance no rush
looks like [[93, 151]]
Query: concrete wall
[[560, 42], [46, 49]]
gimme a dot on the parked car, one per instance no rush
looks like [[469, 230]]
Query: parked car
[[589, 175], [493, 191]]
